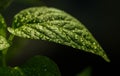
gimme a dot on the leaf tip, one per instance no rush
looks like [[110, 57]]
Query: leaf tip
[[10, 30], [106, 58]]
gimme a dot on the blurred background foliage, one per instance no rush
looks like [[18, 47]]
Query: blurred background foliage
[[4, 4], [101, 17], [85, 72]]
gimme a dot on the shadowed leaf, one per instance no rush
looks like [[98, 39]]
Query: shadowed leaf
[[7, 71], [40, 66]]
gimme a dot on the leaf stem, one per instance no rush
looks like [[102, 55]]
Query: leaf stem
[[10, 39], [4, 52]]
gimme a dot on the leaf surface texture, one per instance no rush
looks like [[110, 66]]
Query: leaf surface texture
[[57, 26]]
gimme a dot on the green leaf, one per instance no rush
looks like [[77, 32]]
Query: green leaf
[[36, 66], [2, 26], [40, 66], [7, 71], [85, 72], [3, 42], [56, 26]]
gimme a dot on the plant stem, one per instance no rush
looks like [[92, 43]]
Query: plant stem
[[10, 39], [4, 57], [4, 52]]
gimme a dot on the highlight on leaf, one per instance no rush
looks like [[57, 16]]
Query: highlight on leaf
[[57, 26]]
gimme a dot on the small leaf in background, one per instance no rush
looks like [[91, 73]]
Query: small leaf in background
[[2, 26], [56, 26], [7, 71], [3, 43], [86, 72], [4, 4], [40, 66]]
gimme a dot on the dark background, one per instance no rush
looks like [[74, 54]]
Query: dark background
[[101, 17]]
